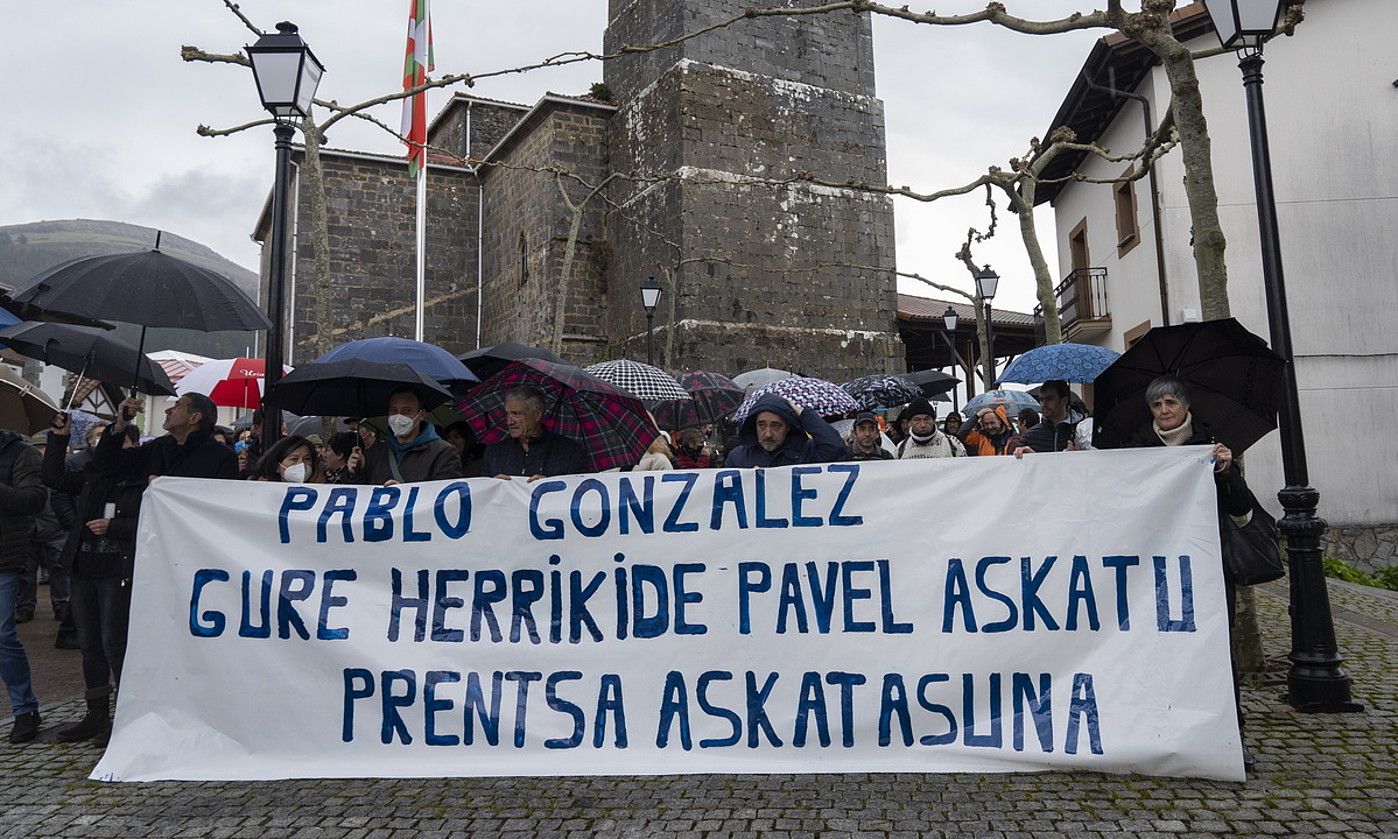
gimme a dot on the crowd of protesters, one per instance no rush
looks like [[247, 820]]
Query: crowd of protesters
[[76, 515]]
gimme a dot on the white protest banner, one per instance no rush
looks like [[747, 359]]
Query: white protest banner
[[977, 614]]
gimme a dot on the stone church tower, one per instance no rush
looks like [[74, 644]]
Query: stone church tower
[[794, 276], [757, 283]]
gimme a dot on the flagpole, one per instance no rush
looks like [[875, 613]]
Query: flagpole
[[421, 243]]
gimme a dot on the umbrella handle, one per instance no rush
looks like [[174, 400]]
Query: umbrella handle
[[74, 393], [141, 347]]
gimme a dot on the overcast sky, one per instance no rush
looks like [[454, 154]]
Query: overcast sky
[[103, 111]]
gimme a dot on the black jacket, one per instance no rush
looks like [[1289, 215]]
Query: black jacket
[[809, 439], [201, 456], [1234, 497], [1049, 436], [84, 554], [549, 455], [21, 498], [880, 453]]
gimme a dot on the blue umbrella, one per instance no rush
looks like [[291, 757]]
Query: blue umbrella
[[1013, 400], [428, 359], [1069, 362]]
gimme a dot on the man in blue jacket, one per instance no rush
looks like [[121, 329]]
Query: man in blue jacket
[[778, 432]]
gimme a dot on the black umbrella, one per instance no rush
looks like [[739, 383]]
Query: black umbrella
[[353, 388], [89, 352], [1234, 380], [932, 382], [148, 289], [487, 361]]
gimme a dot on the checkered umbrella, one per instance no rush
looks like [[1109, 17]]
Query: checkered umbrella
[[647, 383], [611, 424], [881, 391], [711, 397], [825, 398]]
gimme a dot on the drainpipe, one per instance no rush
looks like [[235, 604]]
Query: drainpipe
[[295, 244], [1154, 187], [480, 226]]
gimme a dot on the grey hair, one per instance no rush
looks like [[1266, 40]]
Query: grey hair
[[527, 393], [1167, 386]]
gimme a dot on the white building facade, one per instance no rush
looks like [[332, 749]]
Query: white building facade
[[1125, 250]]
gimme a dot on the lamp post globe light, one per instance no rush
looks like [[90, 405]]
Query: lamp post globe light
[[949, 320], [650, 298], [1315, 682], [987, 281], [287, 74]]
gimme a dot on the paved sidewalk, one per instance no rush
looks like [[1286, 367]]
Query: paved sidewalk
[[1317, 776]]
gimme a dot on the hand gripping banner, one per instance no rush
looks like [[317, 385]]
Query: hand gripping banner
[[963, 615]]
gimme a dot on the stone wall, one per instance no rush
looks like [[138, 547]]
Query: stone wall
[[1367, 547], [489, 123], [527, 232], [371, 224], [755, 283]]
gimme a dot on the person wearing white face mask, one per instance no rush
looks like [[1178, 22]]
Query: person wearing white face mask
[[412, 451], [292, 460]]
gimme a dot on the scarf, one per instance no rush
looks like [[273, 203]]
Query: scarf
[[1179, 435], [922, 441], [429, 433]]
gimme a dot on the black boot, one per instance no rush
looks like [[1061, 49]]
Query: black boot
[[67, 638], [96, 723]]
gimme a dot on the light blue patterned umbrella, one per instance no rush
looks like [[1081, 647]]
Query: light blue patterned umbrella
[[1069, 362], [1013, 400], [825, 398]]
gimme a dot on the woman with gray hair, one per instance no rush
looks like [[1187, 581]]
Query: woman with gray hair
[[1172, 424]]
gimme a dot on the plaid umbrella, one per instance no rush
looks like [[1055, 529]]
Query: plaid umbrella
[[825, 398], [881, 391], [1069, 362], [647, 383], [711, 397], [611, 424]]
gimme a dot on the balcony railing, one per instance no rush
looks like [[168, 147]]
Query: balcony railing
[[1082, 301]]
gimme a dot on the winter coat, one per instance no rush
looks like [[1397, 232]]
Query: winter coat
[[653, 462], [86, 554], [426, 458], [699, 460], [201, 456], [979, 442], [549, 455], [22, 496], [809, 439], [879, 453], [1049, 436]]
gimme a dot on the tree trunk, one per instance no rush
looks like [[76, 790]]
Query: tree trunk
[[1196, 148], [313, 177], [1043, 280], [983, 339]]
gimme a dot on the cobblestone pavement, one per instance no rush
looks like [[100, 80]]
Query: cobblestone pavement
[[1317, 776]]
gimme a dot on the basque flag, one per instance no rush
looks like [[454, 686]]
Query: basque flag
[[417, 63]]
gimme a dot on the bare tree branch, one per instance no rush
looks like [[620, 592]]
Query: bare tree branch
[[234, 8]]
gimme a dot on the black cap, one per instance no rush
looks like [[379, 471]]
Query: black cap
[[865, 416]]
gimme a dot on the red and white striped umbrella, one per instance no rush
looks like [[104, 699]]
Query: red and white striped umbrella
[[231, 382]]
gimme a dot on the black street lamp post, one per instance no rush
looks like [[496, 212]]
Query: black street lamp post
[[287, 74], [987, 281], [1316, 682], [949, 320], [650, 298]]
